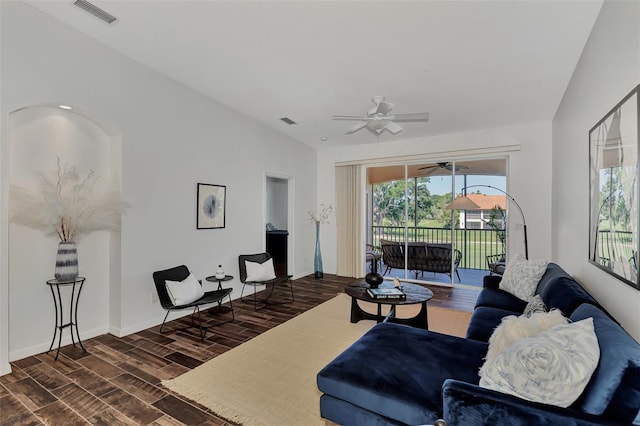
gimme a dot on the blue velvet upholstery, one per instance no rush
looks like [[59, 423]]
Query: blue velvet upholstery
[[500, 299], [559, 290], [468, 404], [345, 413], [396, 371], [484, 320], [618, 353]]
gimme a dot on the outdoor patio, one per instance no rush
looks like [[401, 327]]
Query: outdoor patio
[[468, 276]]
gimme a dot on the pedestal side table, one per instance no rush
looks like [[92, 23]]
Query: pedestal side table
[[73, 311], [214, 279]]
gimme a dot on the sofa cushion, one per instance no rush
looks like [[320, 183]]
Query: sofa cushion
[[559, 290], [619, 356], [407, 385], [496, 298], [625, 405], [552, 367], [484, 321]]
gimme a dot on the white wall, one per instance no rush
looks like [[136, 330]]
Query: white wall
[[529, 169], [171, 138], [608, 69]]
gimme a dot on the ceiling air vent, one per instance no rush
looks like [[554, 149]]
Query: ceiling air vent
[[288, 121], [95, 11]]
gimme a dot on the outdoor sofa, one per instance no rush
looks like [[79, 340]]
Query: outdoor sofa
[[399, 375], [421, 257]]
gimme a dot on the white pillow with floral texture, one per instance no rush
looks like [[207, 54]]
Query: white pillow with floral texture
[[552, 367], [521, 277]]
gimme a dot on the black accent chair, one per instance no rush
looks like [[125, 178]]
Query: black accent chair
[[270, 284], [179, 273]]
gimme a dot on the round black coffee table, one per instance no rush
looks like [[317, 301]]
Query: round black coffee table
[[416, 294]]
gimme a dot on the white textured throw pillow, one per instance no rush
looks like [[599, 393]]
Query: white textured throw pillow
[[185, 291], [535, 305], [513, 328], [260, 271], [521, 276], [552, 367]]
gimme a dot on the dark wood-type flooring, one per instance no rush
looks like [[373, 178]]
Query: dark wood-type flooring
[[117, 381]]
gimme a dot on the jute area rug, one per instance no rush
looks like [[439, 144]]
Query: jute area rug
[[271, 379]]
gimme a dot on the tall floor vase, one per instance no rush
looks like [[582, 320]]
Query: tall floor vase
[[317, 259], [66, 261]]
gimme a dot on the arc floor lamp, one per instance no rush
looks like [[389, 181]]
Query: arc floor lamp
[[462, 202]]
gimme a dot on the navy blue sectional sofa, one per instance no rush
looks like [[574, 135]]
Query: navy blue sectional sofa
[[398, 375]]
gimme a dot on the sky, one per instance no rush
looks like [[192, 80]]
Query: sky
[[442, 184]]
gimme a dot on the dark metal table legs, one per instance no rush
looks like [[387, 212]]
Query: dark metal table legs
[[73, 312]]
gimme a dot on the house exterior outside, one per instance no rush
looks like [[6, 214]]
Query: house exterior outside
[[479, 219]]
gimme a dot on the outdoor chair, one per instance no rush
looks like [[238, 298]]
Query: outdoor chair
[[496, 264], [392, 255], [440, 257], [373, 257], [417, 258], [261, 263], [177, 275]]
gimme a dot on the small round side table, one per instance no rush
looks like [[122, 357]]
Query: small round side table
[[73, 311], [213, 279]]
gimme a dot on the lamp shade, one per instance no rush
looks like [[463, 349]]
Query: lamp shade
[[462, 202]]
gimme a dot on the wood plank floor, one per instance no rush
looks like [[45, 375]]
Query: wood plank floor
[[117, 381]]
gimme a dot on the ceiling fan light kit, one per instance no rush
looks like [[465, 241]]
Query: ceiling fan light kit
[[379, 118]]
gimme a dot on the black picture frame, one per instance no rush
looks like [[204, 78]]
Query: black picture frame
[[211, 206], [614, 205]]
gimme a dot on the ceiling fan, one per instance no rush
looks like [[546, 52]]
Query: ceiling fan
[[379, 118], [445, 166]]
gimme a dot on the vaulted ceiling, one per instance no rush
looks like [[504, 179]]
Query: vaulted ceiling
[[470, 64]]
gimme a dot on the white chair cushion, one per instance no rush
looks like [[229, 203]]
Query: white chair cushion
[[185, 291], [552, 367], [521, 277], [257, 272]]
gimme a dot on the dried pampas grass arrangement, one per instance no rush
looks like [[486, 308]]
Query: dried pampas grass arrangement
[[65, 205]]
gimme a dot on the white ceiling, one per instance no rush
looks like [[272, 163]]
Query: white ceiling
[[470, 64]]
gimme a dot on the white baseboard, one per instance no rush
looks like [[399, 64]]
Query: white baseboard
[[5, 368], [44, 346]]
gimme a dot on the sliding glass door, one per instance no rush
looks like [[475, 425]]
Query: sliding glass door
[[420, 236]]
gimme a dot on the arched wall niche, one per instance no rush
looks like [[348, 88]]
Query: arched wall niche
[[38, 136]]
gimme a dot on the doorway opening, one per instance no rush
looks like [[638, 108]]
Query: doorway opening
[[278, 214]]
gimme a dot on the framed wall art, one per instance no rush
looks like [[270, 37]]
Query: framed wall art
[[211, 206], [613, 191]]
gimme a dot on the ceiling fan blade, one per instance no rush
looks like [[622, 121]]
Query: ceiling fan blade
[[384, 108], [356, 128], [427, 167], [418, 116], [392, 127], [348, 117]]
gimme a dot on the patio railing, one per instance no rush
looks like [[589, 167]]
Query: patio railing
[[475, 244]]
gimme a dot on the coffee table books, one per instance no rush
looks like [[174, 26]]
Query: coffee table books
[[386, 293]]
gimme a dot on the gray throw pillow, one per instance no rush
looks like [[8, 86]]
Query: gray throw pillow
[[535, 305], [521, 277]]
